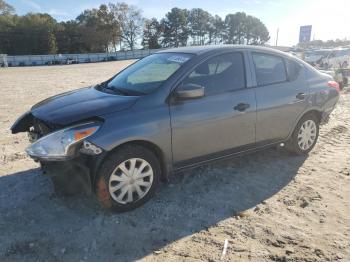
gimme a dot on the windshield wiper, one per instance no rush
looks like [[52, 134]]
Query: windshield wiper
[[120, 90], [126, 92], [102, 85]]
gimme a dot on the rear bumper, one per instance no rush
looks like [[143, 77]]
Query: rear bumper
[[329, 109], [325, 118]]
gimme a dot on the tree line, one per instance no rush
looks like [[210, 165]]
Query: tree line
[[119, 26]]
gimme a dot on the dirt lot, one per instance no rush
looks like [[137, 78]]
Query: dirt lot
[[270, 206]]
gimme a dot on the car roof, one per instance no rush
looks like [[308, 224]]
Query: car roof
[[199, 50], [202, 50]]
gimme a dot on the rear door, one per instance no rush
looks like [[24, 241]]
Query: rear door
[[281, 95], [222, 120]]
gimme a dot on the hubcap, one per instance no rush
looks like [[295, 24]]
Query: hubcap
[[307, 134], [131, 180]]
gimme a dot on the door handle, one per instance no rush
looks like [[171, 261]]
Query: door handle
[[241, 107], [301, 96]]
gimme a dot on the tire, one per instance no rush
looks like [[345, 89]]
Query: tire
[[111, 178], [295, 144]]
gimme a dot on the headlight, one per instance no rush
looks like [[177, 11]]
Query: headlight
[[60, 144]]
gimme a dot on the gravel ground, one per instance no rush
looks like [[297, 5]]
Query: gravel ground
[[269, 206]]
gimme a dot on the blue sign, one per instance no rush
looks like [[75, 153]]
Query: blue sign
[[305, 33]]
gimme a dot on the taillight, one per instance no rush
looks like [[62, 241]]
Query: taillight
[[334, 84]]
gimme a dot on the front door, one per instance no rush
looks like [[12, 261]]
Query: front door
[[221, 121]]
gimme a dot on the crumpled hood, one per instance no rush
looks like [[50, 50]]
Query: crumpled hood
[[80, 104]]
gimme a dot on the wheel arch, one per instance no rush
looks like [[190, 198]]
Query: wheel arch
[[314, 111], [165, 170]]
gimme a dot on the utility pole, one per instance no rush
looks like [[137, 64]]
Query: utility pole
[[278, 30]]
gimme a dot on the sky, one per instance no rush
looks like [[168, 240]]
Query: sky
[[329, 18]]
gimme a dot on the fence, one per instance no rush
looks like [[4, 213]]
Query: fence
[[34, 60], [3, 60]]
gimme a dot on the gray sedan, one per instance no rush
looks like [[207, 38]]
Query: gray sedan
[[176, 109]]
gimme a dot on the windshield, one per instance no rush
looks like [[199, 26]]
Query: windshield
[[146, 75]]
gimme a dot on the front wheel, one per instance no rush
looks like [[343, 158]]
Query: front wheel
[[305, 135], [128, 178]]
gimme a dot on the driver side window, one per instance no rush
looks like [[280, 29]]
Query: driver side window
[[220, 74]]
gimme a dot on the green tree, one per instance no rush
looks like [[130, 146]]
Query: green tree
[[5, 8], [70, 38], [95, 29], [130, 21], [110, 26], [103, 29], [175, 26], [151, 34], [243, 29], [52, 44], [7, 26], [236, 25], [255, 32], [30, 34], [199, 25], [216, 30]]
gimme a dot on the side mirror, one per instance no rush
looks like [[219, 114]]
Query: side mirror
[[189, 91]]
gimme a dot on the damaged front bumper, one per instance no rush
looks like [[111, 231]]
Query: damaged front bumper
[[72, 171], [69, 177], [73, 176]]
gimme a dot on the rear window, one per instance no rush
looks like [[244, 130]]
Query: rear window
[[269, 69], [293, 69]]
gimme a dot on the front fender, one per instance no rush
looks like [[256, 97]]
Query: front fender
[[151, 126]]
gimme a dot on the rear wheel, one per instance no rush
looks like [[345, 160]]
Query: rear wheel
[[305, 135], [128, 178]]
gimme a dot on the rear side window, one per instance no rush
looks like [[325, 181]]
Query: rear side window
[[269, 69], [293, 69], [219, 74]]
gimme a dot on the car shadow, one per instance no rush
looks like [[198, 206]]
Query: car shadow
[[37, 225]]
